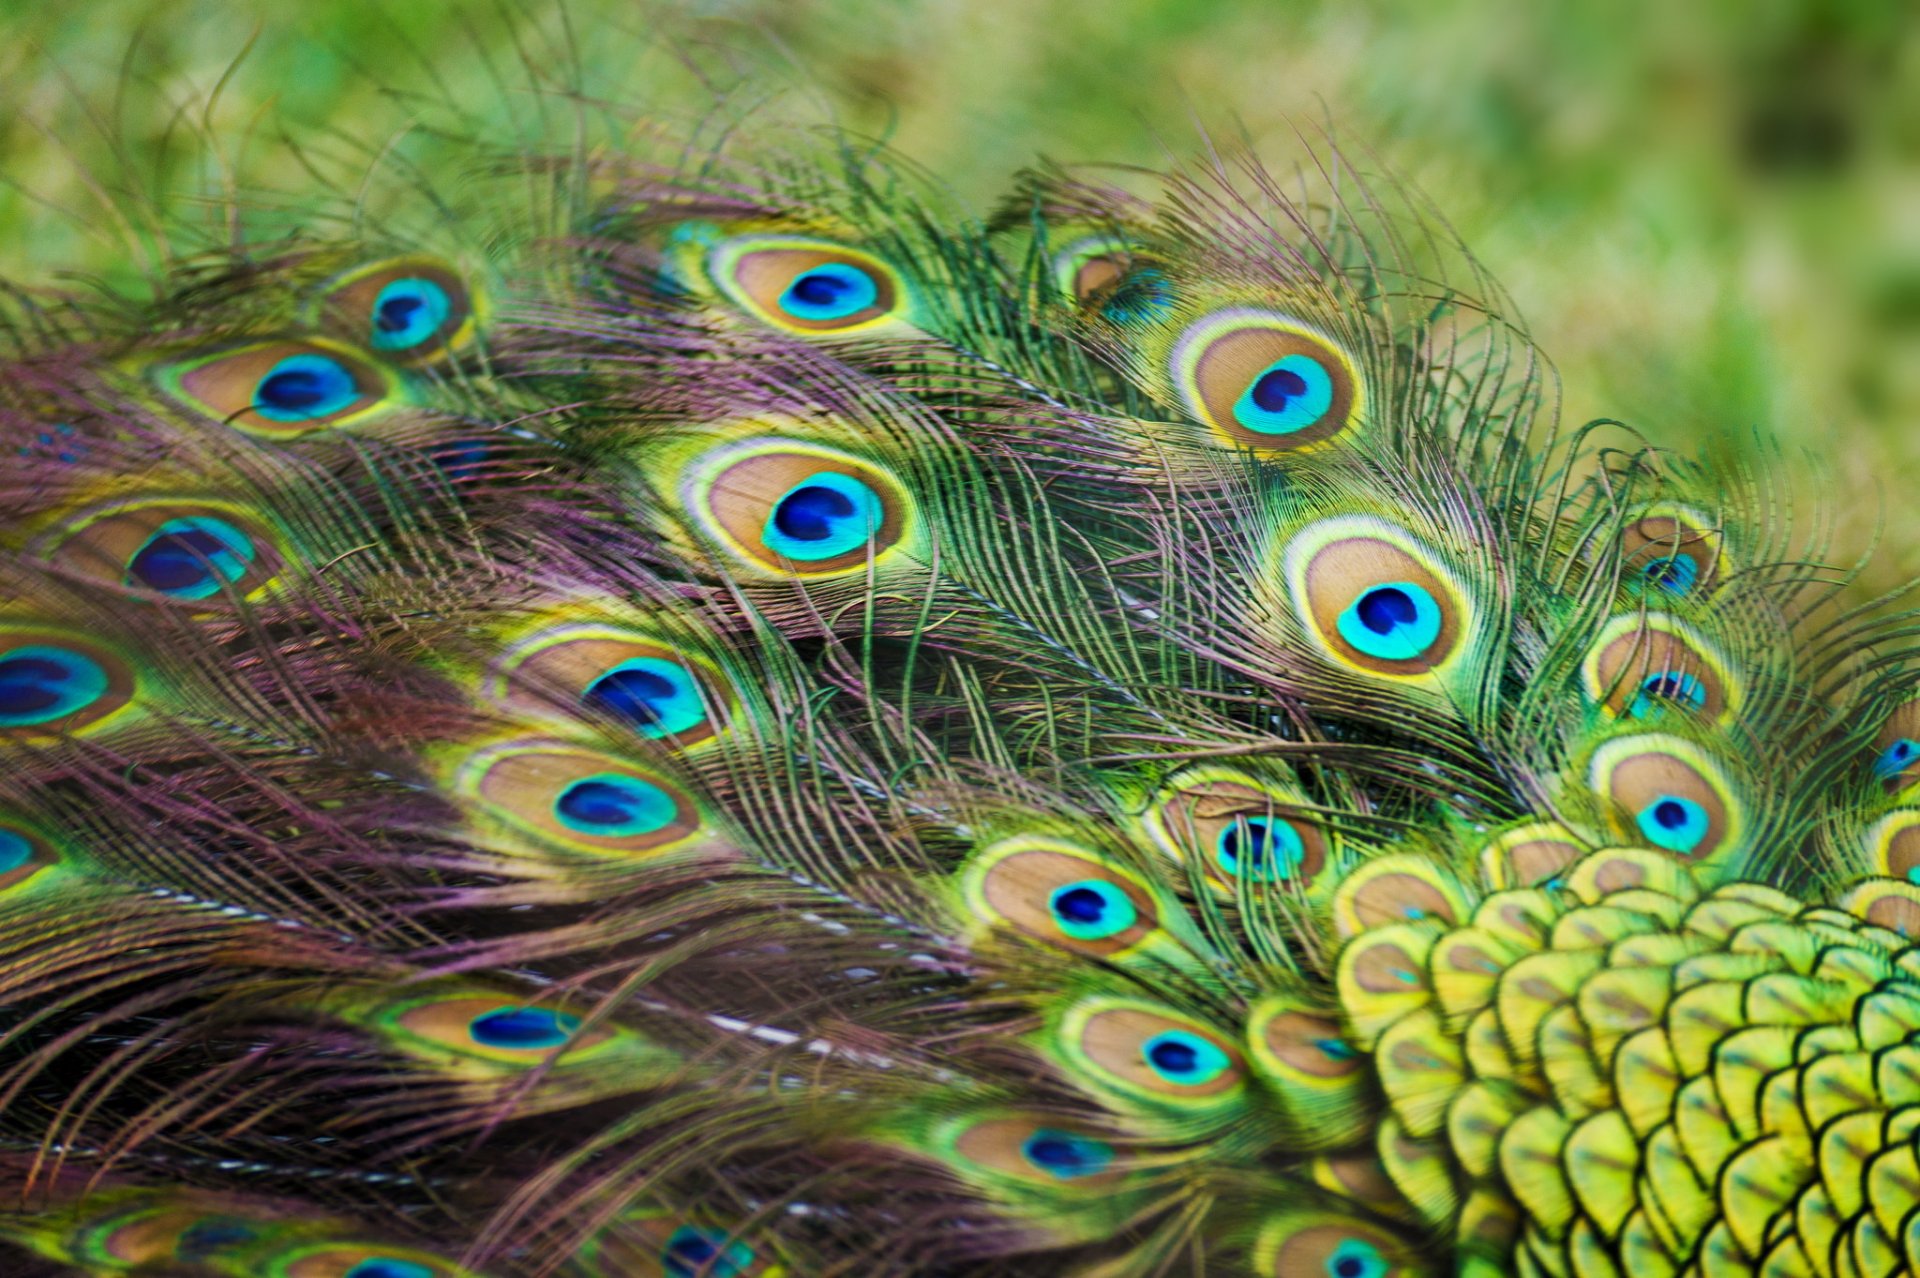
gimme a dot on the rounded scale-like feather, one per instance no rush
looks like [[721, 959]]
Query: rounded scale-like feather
[[1318, 1078], [1537, 852], [1142, 1054], [1266, 380], [409, 309], [1068, 896], [200, 552], [1375, 599], [1397, 888], [281, 388], [793, 508], [1671, 551], [1666, 792], [581, 799], [1325, 1244], [52, 684], [809, 286], [1896, 747], [1644, 664], [638, 682], [1239, 825]]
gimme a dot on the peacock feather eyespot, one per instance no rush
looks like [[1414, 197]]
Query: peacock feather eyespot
[[486, 1027], [23, 854], [1896, 747], [1184, 1058], [1325, 1244], [1265, 380], [1375, 599], [1042, 1150], [1263, 849], [1397, 888], [693, 1252], [1669, 794], [1240, 827], [1672, 551], [356, 1260], [580, 799], [193, 552], [53, 684], [796, 509], [409, 309], [644, 685], [613, 805], [1642, 665], [1066, 1155], [1106, 274], [283, 388], [1146, 1054], [523, 1028], [807, 286], [1058, 892]]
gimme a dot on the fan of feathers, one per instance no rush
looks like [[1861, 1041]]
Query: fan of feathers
[[681, 706]]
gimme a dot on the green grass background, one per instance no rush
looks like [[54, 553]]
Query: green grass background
[[1708, 212]]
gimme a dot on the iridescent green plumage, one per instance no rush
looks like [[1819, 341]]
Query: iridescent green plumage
[[734, 720]]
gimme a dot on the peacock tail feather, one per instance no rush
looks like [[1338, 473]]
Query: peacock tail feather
[[700, 712]]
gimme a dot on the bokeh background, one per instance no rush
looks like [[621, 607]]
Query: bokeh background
[[1708, 212]]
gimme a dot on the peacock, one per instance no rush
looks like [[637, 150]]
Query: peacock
[[683, 706]]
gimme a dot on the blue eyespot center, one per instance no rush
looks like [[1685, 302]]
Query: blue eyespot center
[[1092, 909], [1675, 575], [409, 312], [15, 850], [824, 516], [191, 558], [1291, 394], [1144, 294], [611, 806], [830, 291], [1674, 823], [1260, 848], [1669, 687], [658, 697], [40, 683], [1184, 1058], [1393, 621], [206, 1238], [1356, 1259], [688, 1249], [523, 1028], [1066, 1155], [302, 387], [390, 1267], [1895, 758]]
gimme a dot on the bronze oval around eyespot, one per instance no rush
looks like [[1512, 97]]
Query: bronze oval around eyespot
[[1344, 573], [806, 513], [1656, 660], [204, 554], [1297, 1040], [999, 1145], [1231, 369], [410, 309], [585, 800], [1199, 815], [773, 281], [1653, 547], [1020, 888]]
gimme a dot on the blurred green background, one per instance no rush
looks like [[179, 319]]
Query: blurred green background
[[1708, 212]]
